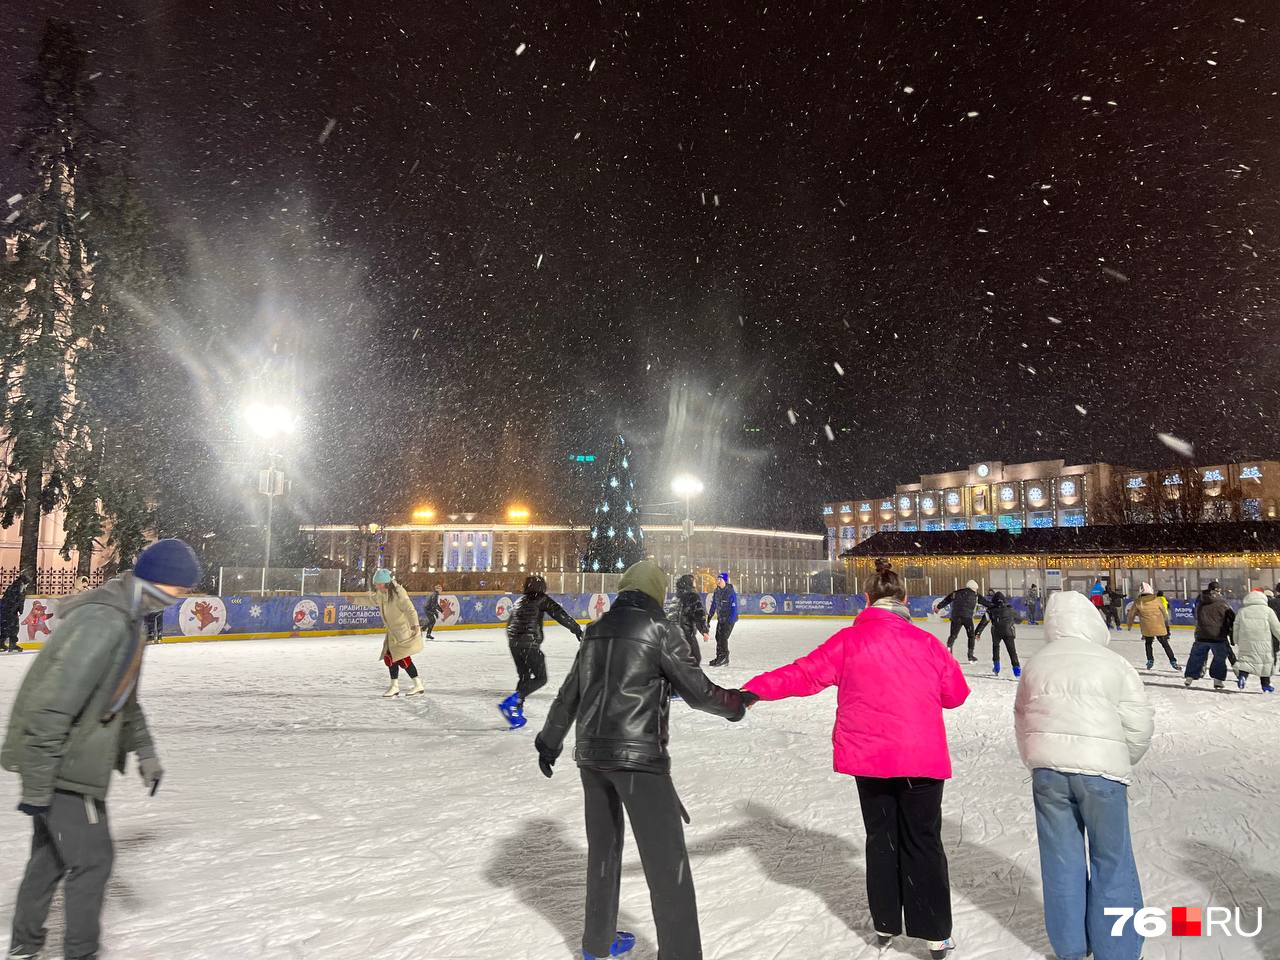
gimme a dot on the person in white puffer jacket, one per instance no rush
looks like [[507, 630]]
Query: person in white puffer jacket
[[1083, 722], [1256, 631]]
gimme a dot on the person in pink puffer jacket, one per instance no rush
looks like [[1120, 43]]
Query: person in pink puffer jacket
[[893, 681]]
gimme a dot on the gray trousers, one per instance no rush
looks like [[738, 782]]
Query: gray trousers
[[71, 841]]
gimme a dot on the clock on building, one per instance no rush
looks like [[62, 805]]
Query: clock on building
[[984, 470]]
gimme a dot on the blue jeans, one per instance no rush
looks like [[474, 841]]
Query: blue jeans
[[1201, 650], [1077, 890]]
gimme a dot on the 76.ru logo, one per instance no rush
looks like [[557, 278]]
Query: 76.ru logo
[[1187, 921]]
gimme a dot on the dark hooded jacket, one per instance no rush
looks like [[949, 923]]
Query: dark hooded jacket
[[11, 603], [963, 603], [619, 691], [1214, 617], [76, 716], [525, 625], [1004, 619], [689, 612]]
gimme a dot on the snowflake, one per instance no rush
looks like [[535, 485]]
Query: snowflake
[[255, 611]]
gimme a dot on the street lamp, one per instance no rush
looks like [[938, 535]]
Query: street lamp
[[270, 421], [687, 487]]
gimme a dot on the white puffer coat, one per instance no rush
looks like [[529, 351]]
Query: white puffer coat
[[1081, 708], [1255, 627]]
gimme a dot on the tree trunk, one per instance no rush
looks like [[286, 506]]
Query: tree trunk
[[29, 555], [84, 560]]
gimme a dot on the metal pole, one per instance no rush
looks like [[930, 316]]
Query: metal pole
[[266, 554], [220, 581]]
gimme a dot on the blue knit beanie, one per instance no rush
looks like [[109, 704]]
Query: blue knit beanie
[[382, 576], [169, 562], [724, 575]]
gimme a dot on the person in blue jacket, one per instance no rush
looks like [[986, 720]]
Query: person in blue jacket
[[724, 608]]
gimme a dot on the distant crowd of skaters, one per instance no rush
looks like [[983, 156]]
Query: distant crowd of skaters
[[1247, 641]]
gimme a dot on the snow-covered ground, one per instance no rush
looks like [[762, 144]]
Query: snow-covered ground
[[304, 817]]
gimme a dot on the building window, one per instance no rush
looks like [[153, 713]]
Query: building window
[[932, 525], [1040, 519], [984, 523], [957, 523], [1011, 522], [908, 526], [1073, 518]]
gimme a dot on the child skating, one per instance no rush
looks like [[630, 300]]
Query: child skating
[[524, 637]]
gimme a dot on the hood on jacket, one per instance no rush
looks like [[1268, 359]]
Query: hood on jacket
[[893, 606], [646, 577], [1070, 616], [1146, 590], [998, 598], [1254, 598], [972, 585], [1210, 593]]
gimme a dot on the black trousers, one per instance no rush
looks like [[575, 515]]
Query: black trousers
[[531, 668], [906, 864], [723, 629], [1112, 617], [1164, 642], [692, 637], [8, 630], [429, 623], [1009, 645], [655, 814], [68, 842], [956, 624]]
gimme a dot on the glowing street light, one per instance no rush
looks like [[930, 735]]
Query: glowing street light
[[424, 513], [269, 421], [687, 487], [518, 514]]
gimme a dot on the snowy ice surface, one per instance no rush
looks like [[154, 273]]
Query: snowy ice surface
[[302, 816]]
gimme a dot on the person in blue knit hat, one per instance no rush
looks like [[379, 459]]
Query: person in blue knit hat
[[724, 608], [76, 719]]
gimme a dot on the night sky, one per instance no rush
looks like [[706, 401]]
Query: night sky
[[494, 233]]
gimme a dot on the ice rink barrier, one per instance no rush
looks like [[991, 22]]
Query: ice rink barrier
[[247, 617]]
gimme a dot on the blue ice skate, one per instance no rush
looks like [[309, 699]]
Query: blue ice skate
[[622, 943], [1150, 663], [513, 711], [1017, 672], [995, 668]]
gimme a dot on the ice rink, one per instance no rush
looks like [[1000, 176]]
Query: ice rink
[[302, 816]]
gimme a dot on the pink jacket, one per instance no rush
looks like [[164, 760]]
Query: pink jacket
[[894, 681]]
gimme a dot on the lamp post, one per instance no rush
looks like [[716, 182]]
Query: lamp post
[[687, 487], [269, 421]]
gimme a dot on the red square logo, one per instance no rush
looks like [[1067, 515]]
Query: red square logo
[[1186, 921]]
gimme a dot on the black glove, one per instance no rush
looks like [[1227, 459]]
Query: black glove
[[546, 757], [33, 810], [749, 698]]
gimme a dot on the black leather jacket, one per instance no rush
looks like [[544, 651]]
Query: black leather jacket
[[691, 615], [619, 690], [525, 625], [963, 603]]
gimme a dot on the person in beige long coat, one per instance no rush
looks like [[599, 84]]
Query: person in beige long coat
[[403, 638]]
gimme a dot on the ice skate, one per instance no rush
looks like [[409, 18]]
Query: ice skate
[[418, 688], [884, 940], [22, 953], [513, 711], [719, 662], [1268, 689], [1150, 664], [622, 943], [938, 949], [393, 690], [1241, 680], [995, 668], [1017, 672], [1219, 686], [1188, 681], [972, 658], [1173, 664]]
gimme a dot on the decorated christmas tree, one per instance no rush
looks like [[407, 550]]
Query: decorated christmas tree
[[616, 539]]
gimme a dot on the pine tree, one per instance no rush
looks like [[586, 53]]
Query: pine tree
[[50, 321], [616, 539]]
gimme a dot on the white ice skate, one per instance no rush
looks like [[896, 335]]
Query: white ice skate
[[418, 688], [393, 690]]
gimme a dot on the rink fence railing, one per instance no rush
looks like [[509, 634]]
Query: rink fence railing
[[254, 617]]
